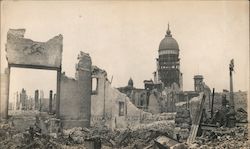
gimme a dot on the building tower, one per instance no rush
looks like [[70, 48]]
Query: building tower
[[130, 83], [168, 63], [198, 83]]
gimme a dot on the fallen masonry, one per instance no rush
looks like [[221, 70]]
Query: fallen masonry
[[131, 137], [153, 135]]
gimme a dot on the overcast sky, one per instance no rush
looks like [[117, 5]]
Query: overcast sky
[[123, 38]]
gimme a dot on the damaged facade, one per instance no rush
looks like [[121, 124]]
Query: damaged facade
[[115, 109], [77, 93]]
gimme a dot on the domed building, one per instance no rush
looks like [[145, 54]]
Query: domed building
[[168, 62]]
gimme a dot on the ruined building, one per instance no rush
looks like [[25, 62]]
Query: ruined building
[[161, 94], [168, 63], [112, 108], [166, 89], [138, 96]]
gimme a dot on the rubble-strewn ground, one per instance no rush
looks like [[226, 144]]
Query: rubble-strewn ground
[[137, 137], [223, 138]]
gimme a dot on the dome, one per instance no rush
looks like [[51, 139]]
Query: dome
[[168, 43]]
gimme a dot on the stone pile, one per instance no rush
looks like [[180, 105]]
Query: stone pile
[[140, 136], [241, 115], [183, 123], [31, 138], [132, 137], [183, 119], [223, 138]]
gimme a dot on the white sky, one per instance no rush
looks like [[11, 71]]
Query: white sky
[[122, 37]]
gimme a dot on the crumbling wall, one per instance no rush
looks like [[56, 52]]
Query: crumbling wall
[[153, 105], [109, 106], [106, 103], [195, 103], [98, 97], [75, 97], [134, 115], [115, 106], [25, 51], [4, 94], [69, 101]]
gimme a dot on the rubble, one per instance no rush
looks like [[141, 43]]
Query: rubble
[[137, 137], [223, 138], [241, 115], [174, 128], [131, 137]]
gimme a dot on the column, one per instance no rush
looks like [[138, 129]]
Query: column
[[58, 93], [36, 100], [50, 101]]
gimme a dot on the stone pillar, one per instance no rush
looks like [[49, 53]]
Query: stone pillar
[[23, 99], [54, 103], [17, 101], [232, 117], [40, 99], [50, 101], [36, 100], [4, 100], [231, 69]]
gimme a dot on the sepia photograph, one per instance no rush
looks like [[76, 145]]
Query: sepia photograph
[[124, 74]]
